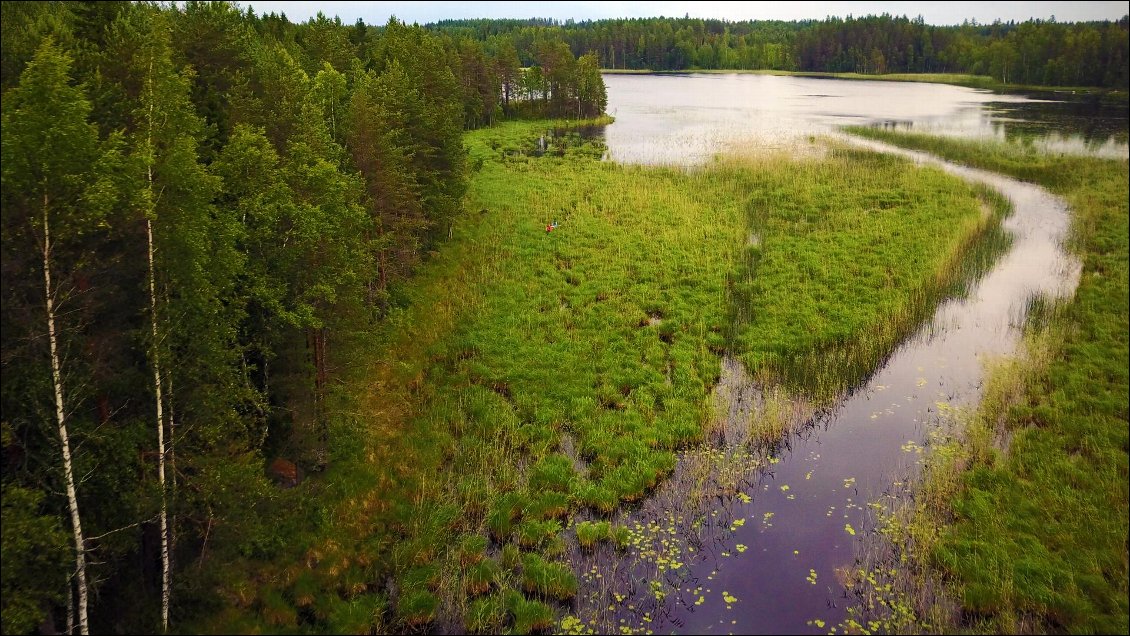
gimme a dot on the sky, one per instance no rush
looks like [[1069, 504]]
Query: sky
[[939, 13]]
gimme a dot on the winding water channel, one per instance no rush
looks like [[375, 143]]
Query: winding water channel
[[763, 554], [803, 519]]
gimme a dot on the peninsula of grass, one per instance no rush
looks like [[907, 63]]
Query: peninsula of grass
[[553, 357], [1033, 537], [846, 256]]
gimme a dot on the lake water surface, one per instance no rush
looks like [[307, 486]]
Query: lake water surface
[[686, 119]]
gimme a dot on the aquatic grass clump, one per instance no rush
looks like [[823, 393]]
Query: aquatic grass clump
[[527, 616], [510, 557], [508, 508], [550, 505], [621, 537], [305, 589], [485, 615], [771, 422], [602, 500], [417, 608], [478, 579], [426, 577], [275, 610], [547, 579], [591, 532], [362, 614], [554, 473], [472, 549], [532, 533]]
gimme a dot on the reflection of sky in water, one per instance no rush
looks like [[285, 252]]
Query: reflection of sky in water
[[689, 118]]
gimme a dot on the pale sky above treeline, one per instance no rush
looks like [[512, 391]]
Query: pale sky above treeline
[[938, 13]]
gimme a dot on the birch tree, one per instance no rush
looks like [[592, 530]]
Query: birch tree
[[189, 257], [52, 162]]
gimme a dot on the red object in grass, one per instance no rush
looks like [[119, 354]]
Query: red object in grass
[[549, 228]]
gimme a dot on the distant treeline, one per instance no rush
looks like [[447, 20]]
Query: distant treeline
[[203, 211], [1035, 52]]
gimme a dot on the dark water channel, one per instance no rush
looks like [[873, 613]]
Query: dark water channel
[[766, 552]]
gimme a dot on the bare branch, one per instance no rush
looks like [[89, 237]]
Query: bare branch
[[132, 525]]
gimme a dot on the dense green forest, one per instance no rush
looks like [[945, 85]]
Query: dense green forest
[[1035, 52], [204, 210]]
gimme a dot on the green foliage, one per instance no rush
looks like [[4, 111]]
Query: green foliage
[[32, 542], [1033, 52], [532, 533], [511, 557], [293, 177], [530, 616], [471, 549], [845, 268], [479, 578], [552, 473]]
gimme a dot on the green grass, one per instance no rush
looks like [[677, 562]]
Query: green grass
[[1034, 538], [852, 253], [527, 375]]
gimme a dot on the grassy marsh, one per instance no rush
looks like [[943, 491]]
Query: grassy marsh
[[1020, 523], [532, 378]]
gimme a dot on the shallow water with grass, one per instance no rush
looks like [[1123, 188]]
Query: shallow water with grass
[[773, 543], [774, 555]]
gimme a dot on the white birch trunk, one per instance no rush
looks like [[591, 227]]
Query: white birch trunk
[[70, 604], [61, 417], [166, 574]]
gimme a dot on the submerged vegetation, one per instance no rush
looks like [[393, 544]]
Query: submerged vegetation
[[1023, 515]]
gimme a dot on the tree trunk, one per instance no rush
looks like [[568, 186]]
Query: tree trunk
[[70, 605], [172, 478], [166, 575], [316, 337], [61, 417]]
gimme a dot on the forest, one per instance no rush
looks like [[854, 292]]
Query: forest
[[205, 211], [1035, 52]]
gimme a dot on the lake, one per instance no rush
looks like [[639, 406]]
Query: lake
[[686, 119]]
